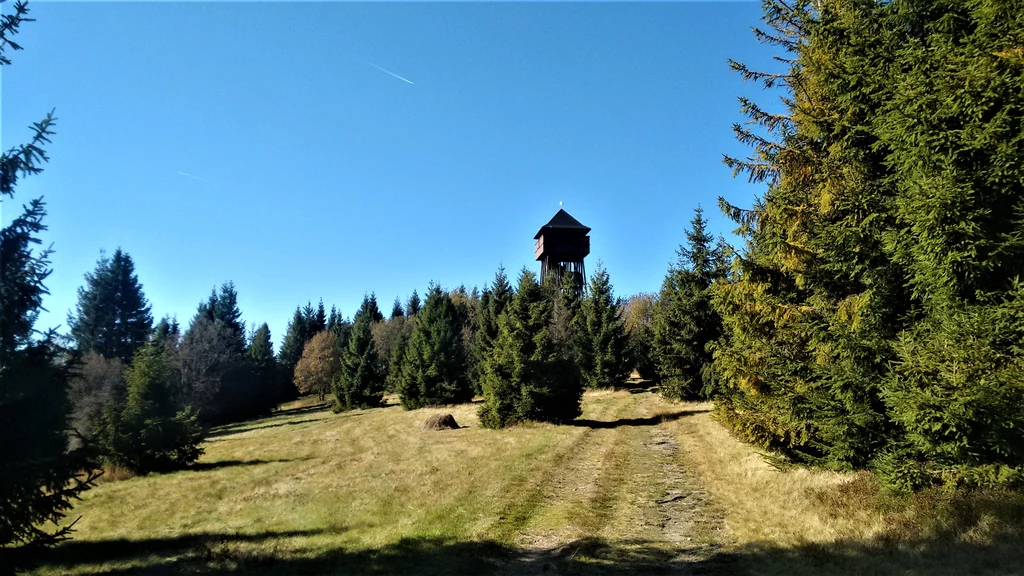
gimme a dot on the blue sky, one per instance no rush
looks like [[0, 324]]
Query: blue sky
[[314, 173]]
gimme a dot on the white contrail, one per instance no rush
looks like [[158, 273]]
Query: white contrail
[[386, 71], [191, 176]]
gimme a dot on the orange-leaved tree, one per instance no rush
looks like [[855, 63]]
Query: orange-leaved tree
[[320, 363]]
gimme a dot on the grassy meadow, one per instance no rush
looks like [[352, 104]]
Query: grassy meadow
[[637, 485]]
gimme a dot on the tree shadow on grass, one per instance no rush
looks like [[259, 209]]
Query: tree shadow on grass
[[303, 410], [263, 554], [227, 426], [649, 421], [205, 466], [250, 426]]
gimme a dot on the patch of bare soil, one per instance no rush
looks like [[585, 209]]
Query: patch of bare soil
[[689, 518], [687, 527]]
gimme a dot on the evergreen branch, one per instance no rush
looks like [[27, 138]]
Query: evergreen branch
[[762, 145], [780, 40], [9, 24], [757, 172], [787, 19], [747, 218], [25, 159], [770, 122], [767, 79]]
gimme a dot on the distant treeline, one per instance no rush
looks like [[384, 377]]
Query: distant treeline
[[528, 349], [144, 392]]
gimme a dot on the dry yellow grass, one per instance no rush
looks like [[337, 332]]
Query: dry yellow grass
[[637, 485], [804, 521], [763, 502]]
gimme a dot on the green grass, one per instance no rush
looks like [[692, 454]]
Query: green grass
[[637, 485]]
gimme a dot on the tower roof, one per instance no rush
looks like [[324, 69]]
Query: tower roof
[[562, 220]]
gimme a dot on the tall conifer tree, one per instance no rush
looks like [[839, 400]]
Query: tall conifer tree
[[264, 370], [492, 303], [433, 370], [370, 309], [112, 317], [396, 362], [607, 361], [528, 375], [39, 476], [808, 315], [295, 338], [685, 325], [360, 382], [166, 328], [227, 312], [872, 318], [318, 322], [412, 308], [310, 320], [152, 432]]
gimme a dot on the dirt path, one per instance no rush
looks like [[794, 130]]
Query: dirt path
[[620, 496]]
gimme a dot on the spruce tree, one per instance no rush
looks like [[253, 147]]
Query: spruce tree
[[607, 362], [412, 308], [151, 432], [310, 319], [397, 358], [492, 303], [227, 312], [685, 325], [333, 319], [360, 381], [467, 317], [264, 370], [342, 330], [872, 319], [809, 315], [433, 370], [208, 308], [222, 307], [212, 354], [954, 391], [528, 375], [386, 336], [167, 328], [316, 320], [295, 338], [396, 309], [39, 475], [369, 309], [112, 316]]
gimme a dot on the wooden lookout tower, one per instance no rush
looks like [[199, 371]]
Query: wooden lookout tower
[[562, 244]]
